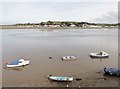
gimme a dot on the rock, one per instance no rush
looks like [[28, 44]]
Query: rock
[[78, 79]]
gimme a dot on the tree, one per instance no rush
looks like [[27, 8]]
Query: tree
[[42, 23]]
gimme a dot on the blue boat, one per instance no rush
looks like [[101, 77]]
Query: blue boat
[[112, 71], [17, 63]]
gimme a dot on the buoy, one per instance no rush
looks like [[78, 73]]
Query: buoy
[[50, 57], [79, 86], [67, 86]]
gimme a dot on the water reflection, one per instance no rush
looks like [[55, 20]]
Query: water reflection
[[100, 59], [21, 68]]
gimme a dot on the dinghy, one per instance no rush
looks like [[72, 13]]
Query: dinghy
[[101, 54], [17, 63], [68, 57], [112, 71], [60, 78]]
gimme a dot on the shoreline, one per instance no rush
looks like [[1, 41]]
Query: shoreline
[[52, 28]]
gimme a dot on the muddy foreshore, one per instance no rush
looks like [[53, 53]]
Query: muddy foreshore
[[38, 46]]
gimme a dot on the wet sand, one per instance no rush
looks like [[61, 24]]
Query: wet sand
[[37, 45]]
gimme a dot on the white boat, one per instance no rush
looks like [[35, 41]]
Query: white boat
[[68, 57], [101, 54], [17, 63], [60, 78]]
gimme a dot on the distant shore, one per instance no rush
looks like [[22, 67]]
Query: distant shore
[[41, 27], [59, 25]]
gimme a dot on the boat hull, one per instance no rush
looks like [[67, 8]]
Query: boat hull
[[18, 65], [69, 57], [112, 71], [95, 55], [61, 79]]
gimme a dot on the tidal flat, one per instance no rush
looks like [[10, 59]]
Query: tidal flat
[[38, 45]]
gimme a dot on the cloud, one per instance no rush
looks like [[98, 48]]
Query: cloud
[[59, 0], [22, 12], [110, 17]]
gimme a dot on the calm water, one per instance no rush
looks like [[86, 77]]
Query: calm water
[[38, 45]]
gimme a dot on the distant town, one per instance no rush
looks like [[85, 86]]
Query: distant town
[[58, 24]]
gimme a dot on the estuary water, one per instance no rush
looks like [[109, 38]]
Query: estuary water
[[38, 44]]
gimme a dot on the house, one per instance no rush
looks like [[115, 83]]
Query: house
[[85, 25], [72, 25]]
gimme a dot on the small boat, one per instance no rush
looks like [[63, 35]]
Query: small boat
[[17, 63], [112, 71], [68, 57], [101, 54], [60, 78]]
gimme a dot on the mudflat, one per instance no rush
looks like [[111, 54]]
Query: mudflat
[[38, 45]]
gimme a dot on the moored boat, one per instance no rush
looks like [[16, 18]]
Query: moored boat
[[60, 78], [68, 57], [112, 71], [101, 54], [17, 63]]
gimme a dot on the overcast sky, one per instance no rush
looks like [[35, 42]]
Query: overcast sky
[[24, 12]]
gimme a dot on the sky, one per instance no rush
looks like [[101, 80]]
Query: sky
[[37, 11]]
